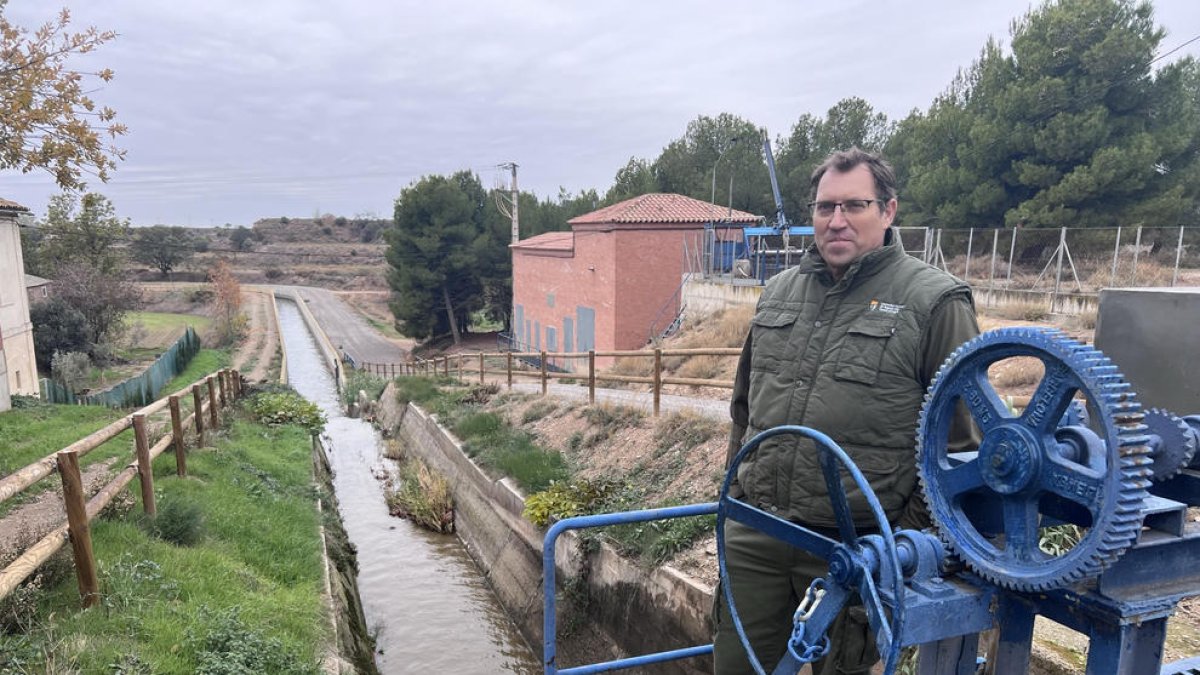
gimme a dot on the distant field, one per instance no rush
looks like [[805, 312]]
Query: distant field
[[163, 329]]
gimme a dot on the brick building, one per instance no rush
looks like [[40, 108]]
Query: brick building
[[613, 281]]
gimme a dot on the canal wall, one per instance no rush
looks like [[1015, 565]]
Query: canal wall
[[354, 646], [638, 610]]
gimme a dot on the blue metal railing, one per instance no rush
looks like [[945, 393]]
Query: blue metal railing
[[549, 621]]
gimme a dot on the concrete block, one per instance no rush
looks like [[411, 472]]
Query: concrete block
[[1153, 335]]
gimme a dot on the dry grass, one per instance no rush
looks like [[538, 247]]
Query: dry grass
[[1149, 273], [703, 367], [1015, 373], [1022, 311], [633, 366]]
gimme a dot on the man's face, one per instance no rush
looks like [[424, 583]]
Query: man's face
[[842, 237]]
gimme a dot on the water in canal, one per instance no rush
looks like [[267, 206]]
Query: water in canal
[[425, 600]]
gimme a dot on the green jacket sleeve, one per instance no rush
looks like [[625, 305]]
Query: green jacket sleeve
[[951, 323], [739, 406]]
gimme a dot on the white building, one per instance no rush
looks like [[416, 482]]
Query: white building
[[18, 369]]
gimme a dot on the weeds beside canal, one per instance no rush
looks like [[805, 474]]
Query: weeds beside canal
[[509, 435]]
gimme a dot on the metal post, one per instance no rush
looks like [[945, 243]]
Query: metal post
[[177, 436], [1012, 256], [509, 366], [543, 360], [592, 376], [1178, 254], [77, 525], [1137, 249], [992, 273], [970, 246], [1062, 246], [1116, 257], [145, 473], [657, 379]]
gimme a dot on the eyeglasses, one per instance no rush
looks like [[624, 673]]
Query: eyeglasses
[[850, 207]]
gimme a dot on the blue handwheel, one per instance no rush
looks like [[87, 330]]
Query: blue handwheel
[[854, 561], [1031, 472]]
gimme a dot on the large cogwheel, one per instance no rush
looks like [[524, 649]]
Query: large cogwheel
[[1030, 473]]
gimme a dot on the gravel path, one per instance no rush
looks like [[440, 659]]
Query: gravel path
[[643, 400]]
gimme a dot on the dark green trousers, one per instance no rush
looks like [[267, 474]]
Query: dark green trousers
[[769, 577]]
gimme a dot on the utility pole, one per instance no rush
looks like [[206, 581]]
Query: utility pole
[[514, 201]]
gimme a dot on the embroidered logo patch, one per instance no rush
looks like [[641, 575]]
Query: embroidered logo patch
[[885, 307]]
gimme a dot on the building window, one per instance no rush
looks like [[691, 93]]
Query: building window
[[551, 339], [550, 300], [18, 380]]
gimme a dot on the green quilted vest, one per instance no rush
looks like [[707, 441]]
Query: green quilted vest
[[843, 358]]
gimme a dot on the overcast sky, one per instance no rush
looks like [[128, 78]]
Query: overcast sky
[[245, 109]]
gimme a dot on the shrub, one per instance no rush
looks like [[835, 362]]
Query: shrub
[[423, 497], [57, 327], [288, 407], [684, 429], [70, 368], [478, 425], [274, 273], [179, 521], [537, 411], [565, 499], [228, 647], [361, 380], [607, 420], [415, 390]]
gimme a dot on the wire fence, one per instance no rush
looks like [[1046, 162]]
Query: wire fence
[[1043, 263], [138, 390]]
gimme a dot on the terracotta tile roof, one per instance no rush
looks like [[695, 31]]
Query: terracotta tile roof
[[550, 241], [663, 208], [7, 205]]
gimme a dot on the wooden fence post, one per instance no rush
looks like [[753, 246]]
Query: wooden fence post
[[480, 367], [460, 367], [221, 387], [77, 525], [446, 366], [177, 437], [592, 377], [199, 416], [212, 402], [145, 474], [509, 365], [657, 380], [543, 360]]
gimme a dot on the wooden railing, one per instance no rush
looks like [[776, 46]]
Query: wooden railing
[[207, 395], [517, 364]]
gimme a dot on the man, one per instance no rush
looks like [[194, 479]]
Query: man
[[846, 343]]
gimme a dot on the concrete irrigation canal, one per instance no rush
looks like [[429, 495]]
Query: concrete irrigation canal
[[425, 600]]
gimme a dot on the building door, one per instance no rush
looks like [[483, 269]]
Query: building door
[[586, 336], [568, 334]]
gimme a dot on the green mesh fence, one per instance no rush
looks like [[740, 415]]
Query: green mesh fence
[[139, 390]]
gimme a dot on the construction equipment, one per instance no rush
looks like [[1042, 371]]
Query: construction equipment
[[1083, 467]]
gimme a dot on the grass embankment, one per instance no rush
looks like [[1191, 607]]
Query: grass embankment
[[555, 486], [32, 430], [205, 362], [227, 578]]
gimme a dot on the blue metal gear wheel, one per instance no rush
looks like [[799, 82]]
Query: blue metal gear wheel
[[1175, 446], [1030, 472]]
